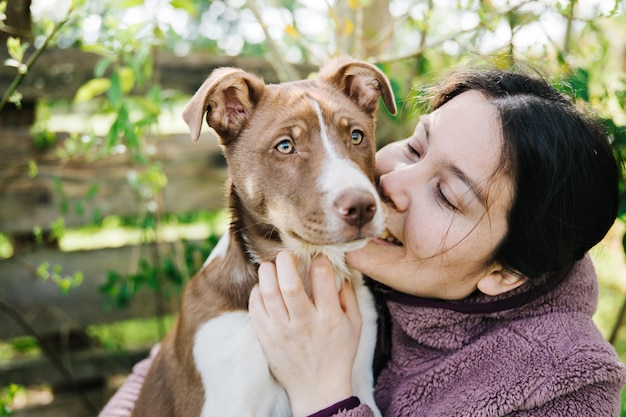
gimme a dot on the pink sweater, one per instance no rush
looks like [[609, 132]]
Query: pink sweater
[[529, 353]]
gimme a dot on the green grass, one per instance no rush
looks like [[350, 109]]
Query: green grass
[[19, 347], [131, 334], [115, 231]]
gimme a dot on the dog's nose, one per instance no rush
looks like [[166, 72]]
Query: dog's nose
[[356, 207]]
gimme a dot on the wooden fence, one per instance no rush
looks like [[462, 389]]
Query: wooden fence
[[195, 182], [195, 172]]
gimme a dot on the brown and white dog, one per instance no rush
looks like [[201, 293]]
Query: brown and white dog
[[301, 164]]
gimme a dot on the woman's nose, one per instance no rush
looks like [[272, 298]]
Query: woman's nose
[[393, 189]]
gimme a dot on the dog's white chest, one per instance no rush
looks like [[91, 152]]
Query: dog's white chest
[[235, 372]]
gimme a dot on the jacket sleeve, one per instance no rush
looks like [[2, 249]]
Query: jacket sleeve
[[360, 411], [602, 399]]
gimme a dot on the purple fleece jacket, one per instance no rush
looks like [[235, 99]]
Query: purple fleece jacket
[[529, 353]]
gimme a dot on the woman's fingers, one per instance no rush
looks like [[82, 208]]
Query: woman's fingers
[[270, 296], [281, 294], [296, 301], [310, 347], [350, 304], [323, 285], [280, 290]]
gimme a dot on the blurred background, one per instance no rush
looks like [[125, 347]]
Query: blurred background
[[107, 208]]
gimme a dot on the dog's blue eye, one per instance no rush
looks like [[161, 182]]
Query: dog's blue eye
[[285, 146], [357, 137]]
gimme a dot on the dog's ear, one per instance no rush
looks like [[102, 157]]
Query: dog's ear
[[228, 97], [361, 82]]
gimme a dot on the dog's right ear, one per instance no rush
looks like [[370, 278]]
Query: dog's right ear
[[228, 97]]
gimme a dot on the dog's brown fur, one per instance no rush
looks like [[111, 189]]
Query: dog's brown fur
[[247, 115]]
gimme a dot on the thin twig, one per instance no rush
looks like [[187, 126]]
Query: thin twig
[[284, 70], [31, 61], [567, 36]]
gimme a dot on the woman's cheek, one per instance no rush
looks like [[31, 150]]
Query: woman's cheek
[[425, 239]]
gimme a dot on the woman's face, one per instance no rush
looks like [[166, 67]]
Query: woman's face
[[447, 203]]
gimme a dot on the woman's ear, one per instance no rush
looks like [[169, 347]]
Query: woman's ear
[[499, 281]]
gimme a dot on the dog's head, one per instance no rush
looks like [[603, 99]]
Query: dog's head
[[300, 154]]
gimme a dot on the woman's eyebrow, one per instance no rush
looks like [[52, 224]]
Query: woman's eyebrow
[[471, 184]]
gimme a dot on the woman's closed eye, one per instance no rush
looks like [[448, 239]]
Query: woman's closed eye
[[412, 151], [443, 199]]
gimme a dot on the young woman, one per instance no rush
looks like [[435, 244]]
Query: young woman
[[492, 205], [485, 288]]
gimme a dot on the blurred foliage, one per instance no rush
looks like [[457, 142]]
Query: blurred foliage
[[160, 275], [6, 398], [579, 45], [130, 334]]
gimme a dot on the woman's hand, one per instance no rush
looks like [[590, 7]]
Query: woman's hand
[[311, 344]]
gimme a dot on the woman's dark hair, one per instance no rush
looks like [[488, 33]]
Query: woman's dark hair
[[564, 171]]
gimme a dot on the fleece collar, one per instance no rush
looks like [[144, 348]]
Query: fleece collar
[[450, 324]]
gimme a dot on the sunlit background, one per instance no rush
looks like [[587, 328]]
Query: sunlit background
[[112, 158]]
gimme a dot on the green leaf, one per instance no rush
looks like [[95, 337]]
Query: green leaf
[[127, 79], [621, 98], [91, 89], [102, 66], [92, 191], [97, 49], [16, 98], [64, 206], [125, 4], [79, 208], [118, 126], [58, 228], [579, 83], [42, 270], [32, 169], [186, 5], [115, 91], [16, 48], [131, 137]]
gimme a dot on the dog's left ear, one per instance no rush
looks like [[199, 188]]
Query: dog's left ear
[[361, 82], [228, 97]]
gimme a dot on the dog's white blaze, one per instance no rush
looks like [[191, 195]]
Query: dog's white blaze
[[234, 370], [340, 173]]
